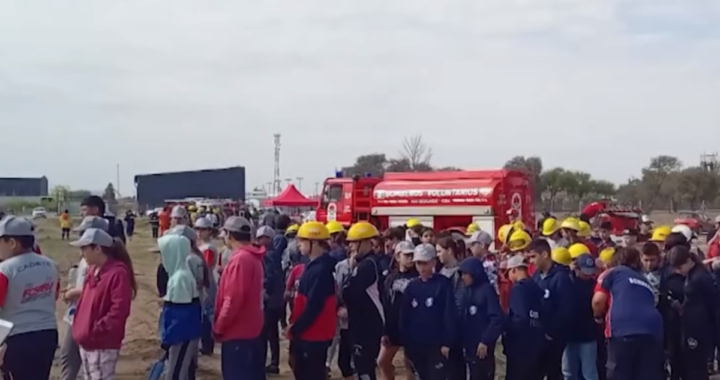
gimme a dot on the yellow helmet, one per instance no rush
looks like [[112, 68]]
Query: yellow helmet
[[550, 226], [412, 223], [292, 229], [471, 229], [585, 229], [519, 241], [607, 254], [503, 232], [578, 249], [334, 227], [571, 224], [362, 231], [191, 208], [313, 231], [561, 255], [518, 225], [660, 233]]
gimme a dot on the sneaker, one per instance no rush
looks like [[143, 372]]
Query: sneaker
[[272, 370]]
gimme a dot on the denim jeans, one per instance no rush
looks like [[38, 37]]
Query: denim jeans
[[580, 361], [243, 359]]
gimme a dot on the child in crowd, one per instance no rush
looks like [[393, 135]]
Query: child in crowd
[[181, 314], [28, 291], [524, 338], [104, 306], [428, 318], [394, 292], [482, 320]]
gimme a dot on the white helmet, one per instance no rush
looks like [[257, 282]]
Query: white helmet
[[685, 230]]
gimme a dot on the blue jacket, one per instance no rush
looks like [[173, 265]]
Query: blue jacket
[[583, 327], [557, 291], [524, 331], [482, 318], [428, 315]]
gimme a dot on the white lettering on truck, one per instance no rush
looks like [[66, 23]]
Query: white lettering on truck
[[433, 193]]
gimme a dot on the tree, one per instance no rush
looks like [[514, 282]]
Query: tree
[[554, 181], [695, 186], [533, 167], [417, 154], [374, 164], [414, 157], [631, 192], [657, 184], [603, 188]]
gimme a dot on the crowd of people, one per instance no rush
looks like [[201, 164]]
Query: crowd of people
[[564, 301]]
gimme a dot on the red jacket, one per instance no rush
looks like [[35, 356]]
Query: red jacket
[[103, 307], [239, 302]]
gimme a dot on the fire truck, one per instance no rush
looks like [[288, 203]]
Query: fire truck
[[621, 218], [441, 200]]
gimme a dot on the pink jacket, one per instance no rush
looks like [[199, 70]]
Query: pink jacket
[[103, 307], [239, 302]]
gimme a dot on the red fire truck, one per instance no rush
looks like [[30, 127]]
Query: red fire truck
[[440, 200]]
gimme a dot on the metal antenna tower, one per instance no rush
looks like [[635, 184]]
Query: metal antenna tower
[[709, 162], [276, 172]]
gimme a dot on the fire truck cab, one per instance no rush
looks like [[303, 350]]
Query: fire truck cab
[[440, 200]]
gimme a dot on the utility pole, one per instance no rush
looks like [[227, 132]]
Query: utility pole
[[276, 171], [117, 180], [299, 179], [317, 188], [288, 181], [268, 188]]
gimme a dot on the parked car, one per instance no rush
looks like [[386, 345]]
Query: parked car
[[698, 221], [39, 213]]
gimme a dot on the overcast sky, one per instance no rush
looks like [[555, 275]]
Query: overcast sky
[[169, 85]]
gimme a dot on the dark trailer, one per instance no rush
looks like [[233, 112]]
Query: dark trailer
[[154, 189], [23, 187]]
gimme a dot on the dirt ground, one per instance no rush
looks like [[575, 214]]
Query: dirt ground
[[141, 346]]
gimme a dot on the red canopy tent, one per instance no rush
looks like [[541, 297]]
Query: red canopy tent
[[291, 197]]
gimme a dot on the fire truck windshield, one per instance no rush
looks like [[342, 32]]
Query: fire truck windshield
[[332, 193]]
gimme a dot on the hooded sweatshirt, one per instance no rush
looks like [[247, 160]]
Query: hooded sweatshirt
[[428, 316], [482, 319], [181, 315], [524, 332], [239, 305], [103, 307], [394, 291], [557, 312]]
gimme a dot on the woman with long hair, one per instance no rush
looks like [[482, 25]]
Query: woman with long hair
[[400, 275], [104, 306]]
